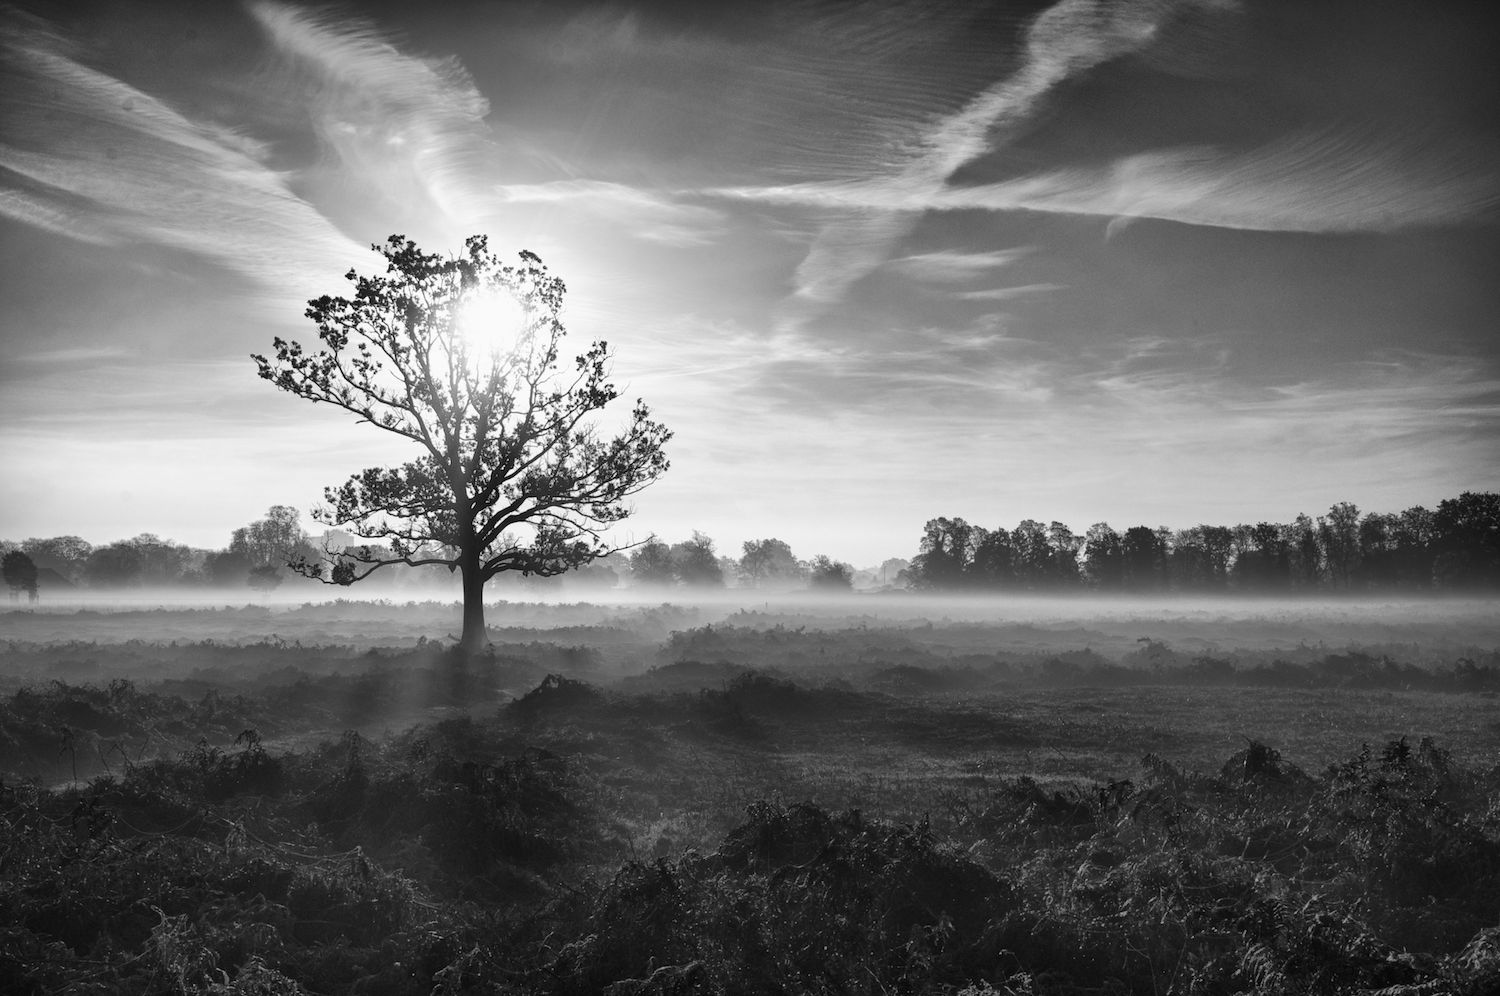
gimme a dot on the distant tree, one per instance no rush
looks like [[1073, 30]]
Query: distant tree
[[993, 564], [1143, 556], [1265, 563], [943, 559], [826, 574], [277, 539], [1032, 554], [1305, 551], [1377, 553], [269, 544], [769, 563], [67, 555], [1412, 542], [1218, 544], [1063, 571], [512, 475], [20, 575], [1466, 539], [1104, 557], [162, 562], [1338, 535], [694, 563], [224, 568], [116, 565], [1200, 558], [651, 564]]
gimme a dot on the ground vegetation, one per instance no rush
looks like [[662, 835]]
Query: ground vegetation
[[750, 806]]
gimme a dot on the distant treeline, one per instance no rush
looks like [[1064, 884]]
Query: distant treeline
[[256, 556], [765, 564], [1454, 547]]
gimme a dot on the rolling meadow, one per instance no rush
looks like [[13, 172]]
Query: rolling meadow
[[865, 794]]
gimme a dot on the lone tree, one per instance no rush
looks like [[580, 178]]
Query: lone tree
[[826, 574], [459, 355]]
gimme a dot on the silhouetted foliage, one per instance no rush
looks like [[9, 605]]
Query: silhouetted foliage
[[945, 556], [1466, 540], [512, 476], [1104, 557], [694, 563], [66, 555], [651, 564], [225, 568], [1456, 548], [826, 574], [113, 566], [275, 541], [769, 563]]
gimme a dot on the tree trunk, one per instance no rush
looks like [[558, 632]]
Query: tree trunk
[[475, 637]]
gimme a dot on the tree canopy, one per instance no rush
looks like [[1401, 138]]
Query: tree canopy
[[769, 563], [273, 541], [826, 574], [1454, 548], [511, 473]]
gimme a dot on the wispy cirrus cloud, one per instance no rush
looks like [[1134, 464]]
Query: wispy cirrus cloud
[[1008, 293], [953, 266], [1324, 180], [407, 128], [640, 214], [950, 269], [877, 210], [53, 209], [94, 158], [44, 358], [412, 130], [1329, 180]]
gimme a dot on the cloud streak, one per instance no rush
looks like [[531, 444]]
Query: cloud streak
[[412, 132], [1069, 38], [640, 214], [407, 128], [1325, 180], [123, 167], [1321, 181], [952, 266]]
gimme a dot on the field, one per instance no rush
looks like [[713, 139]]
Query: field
[[871, 794]]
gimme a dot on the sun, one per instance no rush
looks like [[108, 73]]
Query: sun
[[491, 323]]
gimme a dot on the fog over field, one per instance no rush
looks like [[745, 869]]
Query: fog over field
[[1108, 625], [298, 760], [644, 498]]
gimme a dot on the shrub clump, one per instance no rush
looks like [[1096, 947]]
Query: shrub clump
[[556, 695], [794, 900]]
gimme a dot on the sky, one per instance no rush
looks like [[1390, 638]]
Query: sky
[[1159, 262]]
